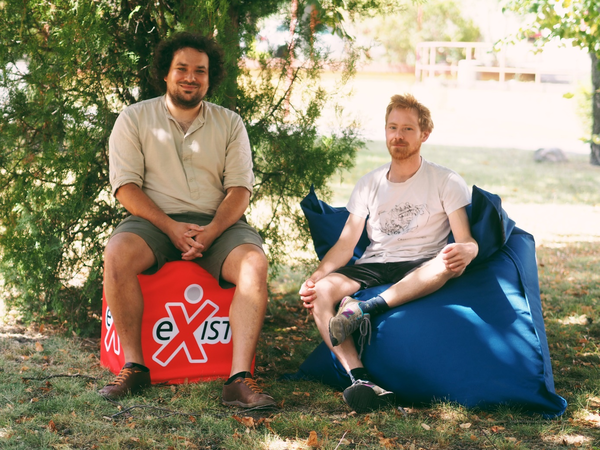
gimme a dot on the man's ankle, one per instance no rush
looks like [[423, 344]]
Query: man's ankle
[[359, 373], [243, 374], [142, 367], [374, 306]]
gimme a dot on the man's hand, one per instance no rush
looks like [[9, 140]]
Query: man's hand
[[203, 236], [457, 256], [308, 294], [182, 235]]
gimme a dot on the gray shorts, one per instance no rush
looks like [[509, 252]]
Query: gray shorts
[[212, 260]]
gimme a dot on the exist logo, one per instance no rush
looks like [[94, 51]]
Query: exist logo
[[181, 331], [112, 338]]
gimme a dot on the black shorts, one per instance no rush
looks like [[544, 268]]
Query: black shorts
[[376, 274]]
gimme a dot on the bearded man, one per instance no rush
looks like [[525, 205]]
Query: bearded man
[[410, 206], [182, 167]]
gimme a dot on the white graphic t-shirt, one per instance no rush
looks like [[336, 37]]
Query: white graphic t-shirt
[[409, 220]]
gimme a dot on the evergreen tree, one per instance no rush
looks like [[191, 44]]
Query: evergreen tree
[[67, 68]]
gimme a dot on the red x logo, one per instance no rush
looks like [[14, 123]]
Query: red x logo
[[183, 337]]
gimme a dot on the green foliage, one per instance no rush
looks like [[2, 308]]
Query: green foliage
[[573, 21], [583, 98], [68, 68], [331, 13], [56, 107], [434, 20]]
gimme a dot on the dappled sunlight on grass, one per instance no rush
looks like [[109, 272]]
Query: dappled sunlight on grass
[[570, 291], [576, 440], [273, 443], [67, 413]]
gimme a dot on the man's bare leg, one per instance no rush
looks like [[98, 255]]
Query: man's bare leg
[[363, 395], [126, 256], [423, 281], [330, 291], [246, 267]]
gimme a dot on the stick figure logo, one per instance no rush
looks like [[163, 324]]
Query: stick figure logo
[[112, 338]]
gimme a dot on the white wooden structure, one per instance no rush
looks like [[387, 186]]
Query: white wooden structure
[[482, 57]]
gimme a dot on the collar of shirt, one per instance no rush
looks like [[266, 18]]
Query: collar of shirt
[[198, 121]]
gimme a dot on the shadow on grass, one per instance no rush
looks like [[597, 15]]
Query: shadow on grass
[[66, 412]]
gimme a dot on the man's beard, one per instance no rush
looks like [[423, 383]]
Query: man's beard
[[185, 102], [403, 153]]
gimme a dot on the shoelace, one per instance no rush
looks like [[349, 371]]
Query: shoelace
[[365, 333], [121, 377], [251, 383]]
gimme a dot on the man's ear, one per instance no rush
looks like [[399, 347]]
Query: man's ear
[[425, 135]]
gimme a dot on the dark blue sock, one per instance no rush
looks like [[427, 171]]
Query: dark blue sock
[[360, 373], [373, 306]]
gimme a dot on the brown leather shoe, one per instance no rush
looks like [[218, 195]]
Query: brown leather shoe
[[130, 380], [245, 392]]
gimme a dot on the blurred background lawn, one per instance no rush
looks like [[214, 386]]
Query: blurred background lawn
[[510, 173]]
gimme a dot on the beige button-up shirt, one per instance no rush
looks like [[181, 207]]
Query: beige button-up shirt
[[180, 172]]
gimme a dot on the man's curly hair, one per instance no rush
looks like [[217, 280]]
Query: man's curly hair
[[163, 56]]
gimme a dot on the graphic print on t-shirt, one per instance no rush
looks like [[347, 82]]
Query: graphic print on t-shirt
[[403, 218]]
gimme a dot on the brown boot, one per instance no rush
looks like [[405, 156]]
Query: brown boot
[[244, 392], [130, 380]]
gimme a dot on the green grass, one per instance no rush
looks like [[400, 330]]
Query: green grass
[[510, 173], [66, 413]]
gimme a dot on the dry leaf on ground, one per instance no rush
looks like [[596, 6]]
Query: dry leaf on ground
[[247, 421], [313, 441]]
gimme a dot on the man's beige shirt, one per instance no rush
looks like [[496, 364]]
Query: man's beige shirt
[[180, 172]]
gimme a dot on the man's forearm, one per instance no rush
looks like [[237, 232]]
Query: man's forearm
[[231, 209], [338, 256], [139, 204]]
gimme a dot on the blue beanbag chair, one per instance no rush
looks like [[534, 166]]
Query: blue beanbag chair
[[479, 341], [326, 224]]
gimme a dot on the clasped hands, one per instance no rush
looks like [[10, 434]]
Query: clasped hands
[[192, 239], [308, 294]]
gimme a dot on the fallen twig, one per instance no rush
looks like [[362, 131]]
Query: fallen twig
[[487, 436], [403, 411], [341, 439], [64, 375]]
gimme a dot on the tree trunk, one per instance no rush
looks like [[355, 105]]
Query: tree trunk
[[595, 145], [292, 55], [232, 57]]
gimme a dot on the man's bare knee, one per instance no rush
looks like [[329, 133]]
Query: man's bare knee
[[246, 264], [256, 260], [127, 253], [334, 287]]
